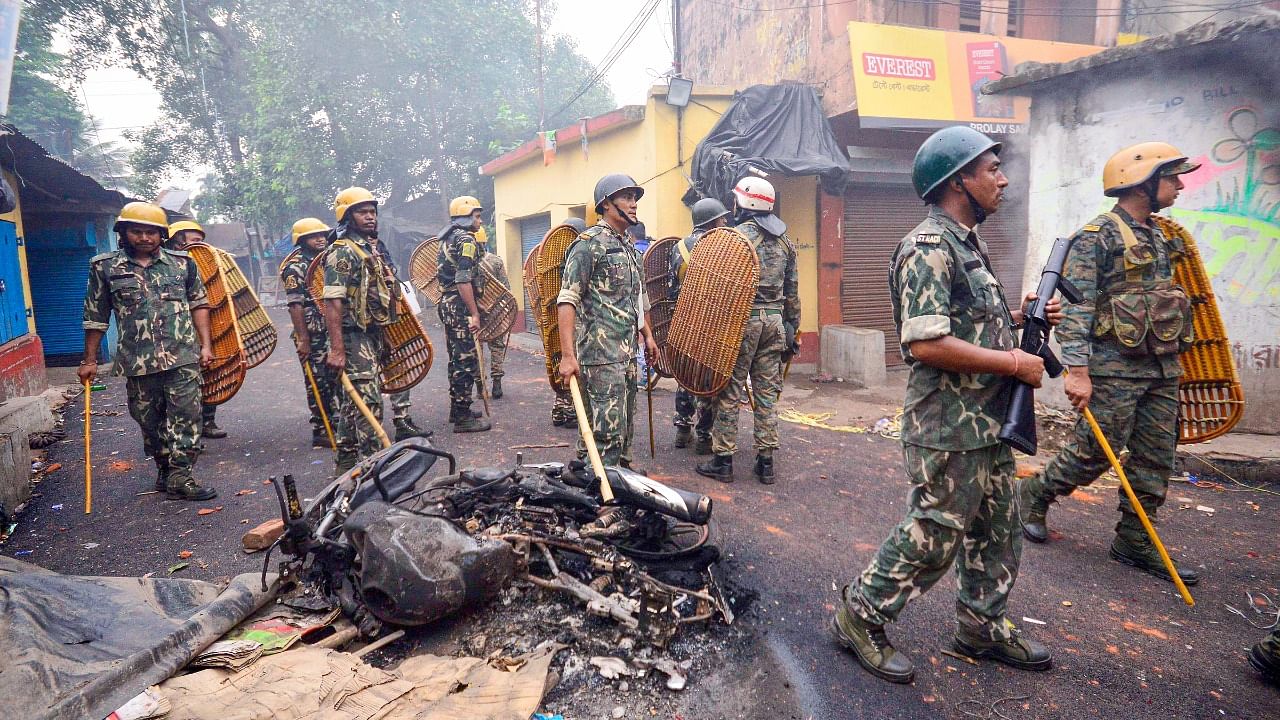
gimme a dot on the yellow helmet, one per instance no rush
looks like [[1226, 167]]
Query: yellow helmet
[[308, 226], [181, 225], [482, 237], [349, 198], [1139, 163], [141, 213], [463, 205]]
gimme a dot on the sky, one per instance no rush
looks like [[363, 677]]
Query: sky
[[120, 100]]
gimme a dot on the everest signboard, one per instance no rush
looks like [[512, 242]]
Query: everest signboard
[[914, 78]]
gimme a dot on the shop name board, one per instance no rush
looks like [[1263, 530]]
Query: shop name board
[[918, 78]]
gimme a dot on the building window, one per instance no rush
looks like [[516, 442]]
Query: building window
[[1015, 19], [970, 15]]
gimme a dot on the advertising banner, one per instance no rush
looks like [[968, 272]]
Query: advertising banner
[[916, 78], [10, 10]]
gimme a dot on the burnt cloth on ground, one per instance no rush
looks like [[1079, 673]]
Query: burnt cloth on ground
[[780, 129], [80, 647]]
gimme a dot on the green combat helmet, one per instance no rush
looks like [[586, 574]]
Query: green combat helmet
[[945, 153]]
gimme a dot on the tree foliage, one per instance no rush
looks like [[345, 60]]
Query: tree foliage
[[289, 100]]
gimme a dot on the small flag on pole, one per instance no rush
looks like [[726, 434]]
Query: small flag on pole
[[548, 147], [582, 131]]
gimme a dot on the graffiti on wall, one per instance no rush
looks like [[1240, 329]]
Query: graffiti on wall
[[1237, 232]]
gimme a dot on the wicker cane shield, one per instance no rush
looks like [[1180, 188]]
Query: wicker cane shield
[[257, 332], [550, 268], [657, 286], [423, 264], [1210, 399], [712, 311], [531, 285], [497, 306], [222, 379], [409, 351]]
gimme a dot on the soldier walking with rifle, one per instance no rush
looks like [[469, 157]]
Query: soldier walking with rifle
[[1121, 345], [957, 340]]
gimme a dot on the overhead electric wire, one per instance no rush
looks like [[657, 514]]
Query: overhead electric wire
[[1173, 9]]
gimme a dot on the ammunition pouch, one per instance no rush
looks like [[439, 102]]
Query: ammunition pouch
[[1147, 319]]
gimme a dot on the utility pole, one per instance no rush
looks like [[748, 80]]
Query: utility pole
[[542, 100]]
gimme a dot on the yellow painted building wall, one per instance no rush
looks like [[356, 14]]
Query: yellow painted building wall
[[15, 217]]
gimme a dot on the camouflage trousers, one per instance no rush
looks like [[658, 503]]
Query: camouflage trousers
[[327, 386], [609, 392], [760, 359], [208, 413], [166, 406], [687, 406], [355, 437], [960, 511], [464, 365], [400, 405], [562, 409], [1138, 413], [498, 355]]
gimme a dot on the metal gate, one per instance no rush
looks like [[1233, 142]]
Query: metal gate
[[532, 230], [876, 218]]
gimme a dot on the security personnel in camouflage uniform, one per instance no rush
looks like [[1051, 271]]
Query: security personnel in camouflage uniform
[[562, 412], [1121, 346], [182, 234], [957, 340], [1265, 657], [770, 334], [361, 296], [401, 404], [163, 316], [492, 264], [601, 315], [708, 214], [460, 284], [309, 335]]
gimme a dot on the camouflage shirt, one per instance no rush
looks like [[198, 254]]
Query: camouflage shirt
[[456, 262], [603, 279], [355, 271], [779, 284], [678, 261], [153, 307], [1096, 267], [941, 283], [293, 276], [492, 263]]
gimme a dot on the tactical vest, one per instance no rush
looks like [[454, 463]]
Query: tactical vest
[[378, 299], [1147, 317]]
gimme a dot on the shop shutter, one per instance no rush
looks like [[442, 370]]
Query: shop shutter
[[876, 218], [58, 280], [532, 230]]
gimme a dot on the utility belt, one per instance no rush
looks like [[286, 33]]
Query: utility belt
[[765, 312], [1146, 318]]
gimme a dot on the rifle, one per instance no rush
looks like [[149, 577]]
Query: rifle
[[1019, 429]]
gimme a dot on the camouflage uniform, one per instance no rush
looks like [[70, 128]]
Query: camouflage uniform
[[497, 346], [961, 501], [562, 409], [1135, 391], [159, 350], [604, 281], [687, 404], [293, 276], [354, 271], [459, 253], [776, 306]]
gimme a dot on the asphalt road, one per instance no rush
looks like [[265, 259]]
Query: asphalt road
[[1124, 644]]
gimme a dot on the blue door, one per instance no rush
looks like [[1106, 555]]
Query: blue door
[[13, 304]]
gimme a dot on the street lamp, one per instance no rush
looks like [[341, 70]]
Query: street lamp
[[678, 91]]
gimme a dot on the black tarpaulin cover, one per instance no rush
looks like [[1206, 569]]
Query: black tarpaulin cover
[[779, 129]]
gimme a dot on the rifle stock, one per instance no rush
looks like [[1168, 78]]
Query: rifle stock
[[1019, 429]]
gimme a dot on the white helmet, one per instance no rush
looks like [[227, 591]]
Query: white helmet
[[753, 193]]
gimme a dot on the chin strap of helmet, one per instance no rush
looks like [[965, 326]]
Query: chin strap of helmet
[[630, 222], [979, 212], [1151, 188]]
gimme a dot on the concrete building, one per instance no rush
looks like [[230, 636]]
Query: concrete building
[[647, 142], [1212, 91]]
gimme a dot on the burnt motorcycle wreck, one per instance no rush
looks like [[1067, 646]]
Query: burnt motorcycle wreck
[[391, 542]]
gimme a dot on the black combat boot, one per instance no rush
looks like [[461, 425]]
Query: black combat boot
[[763, 470], [457, 413], [1265, 657], [162, 477], [406, 428], [495, 389], [1032, 511], [470, 424], [186, 488], [320, 439], [1136, 550], [1017, 651], [719, 467], [212, 431], [702, 446], [684, 436], [872, 647]]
